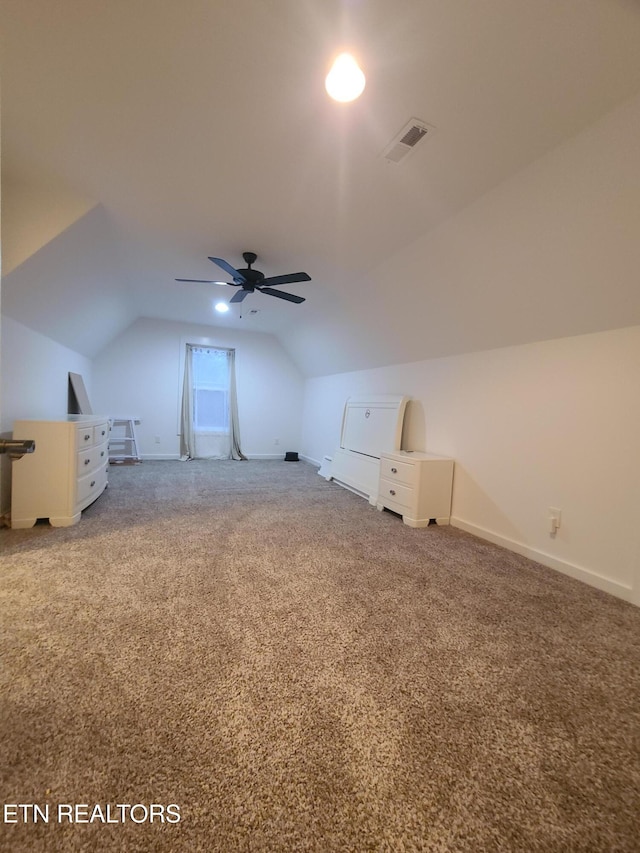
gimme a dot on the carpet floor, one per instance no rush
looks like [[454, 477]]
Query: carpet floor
[[261, 654]]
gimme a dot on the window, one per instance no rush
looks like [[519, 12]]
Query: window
[[209, 410], [210, 376]]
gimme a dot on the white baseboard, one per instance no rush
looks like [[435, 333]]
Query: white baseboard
[[278, 457], [578, 572], [265, 456], [159, 456], [174, 456], [311, 461]]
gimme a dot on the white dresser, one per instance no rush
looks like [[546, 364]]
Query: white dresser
[[417, 486], [66, 472]]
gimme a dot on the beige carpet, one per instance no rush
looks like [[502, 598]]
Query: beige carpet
[[298, 672]]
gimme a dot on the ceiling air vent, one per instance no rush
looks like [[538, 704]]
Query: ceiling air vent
[[406, 141]]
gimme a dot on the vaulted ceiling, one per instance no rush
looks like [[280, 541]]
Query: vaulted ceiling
[[138, 138]]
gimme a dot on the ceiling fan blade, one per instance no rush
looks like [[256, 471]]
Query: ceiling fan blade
[[291, 278], [233, 272], [203, 281], [288, 296], [239, 295]]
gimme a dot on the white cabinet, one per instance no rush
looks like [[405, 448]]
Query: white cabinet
[[417, 486], [66, 472]]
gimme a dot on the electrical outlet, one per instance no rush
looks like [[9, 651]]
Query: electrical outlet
[[276, 441], [157, 439], [555, 517]]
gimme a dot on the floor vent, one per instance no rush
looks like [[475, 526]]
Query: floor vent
[[406, 141]]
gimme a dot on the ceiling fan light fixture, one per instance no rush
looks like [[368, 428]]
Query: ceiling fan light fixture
[[346, 81], [249, 281]]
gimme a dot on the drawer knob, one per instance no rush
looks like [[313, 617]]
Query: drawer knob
[[93, 482], [394, 470], [102, 454], [392, 491], [86, 461], [87, 437]]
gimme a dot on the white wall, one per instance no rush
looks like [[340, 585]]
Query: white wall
[[34, 381], [555, 423], [140, 375], [35, 374]]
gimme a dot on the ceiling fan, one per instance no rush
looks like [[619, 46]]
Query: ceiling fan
[[251, 280]]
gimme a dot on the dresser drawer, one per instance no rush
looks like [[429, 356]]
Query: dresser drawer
[[396, 495], [91, 458], [398, 472], [84, 437], [101, 433], [90, 486]]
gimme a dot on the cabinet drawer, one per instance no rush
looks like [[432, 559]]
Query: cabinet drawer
[[91, 485], [90, 459], [395, 495], [398, 472], [101, 433], [86, 461], [84, 437]]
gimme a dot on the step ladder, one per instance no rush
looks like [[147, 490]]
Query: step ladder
[[123, 443]]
